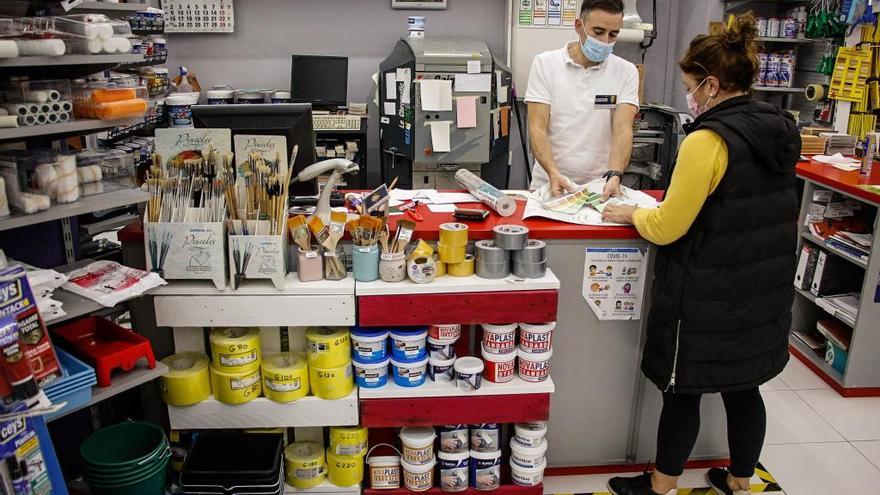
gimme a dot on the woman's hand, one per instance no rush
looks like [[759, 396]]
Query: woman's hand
[[619, 214]]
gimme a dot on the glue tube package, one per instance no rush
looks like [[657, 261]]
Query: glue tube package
[[108, 283]]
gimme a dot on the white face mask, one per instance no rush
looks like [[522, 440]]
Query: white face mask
[[695, 108]]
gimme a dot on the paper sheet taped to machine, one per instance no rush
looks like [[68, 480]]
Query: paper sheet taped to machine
[[466, 112], [473, 83], [440, 136], [436, 95], [390, 86]]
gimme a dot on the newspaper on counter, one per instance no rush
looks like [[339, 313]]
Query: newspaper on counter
[[584, 206]]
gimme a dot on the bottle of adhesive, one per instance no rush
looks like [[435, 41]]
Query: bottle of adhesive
[[184, 86], [868, 155], [18, 475], [13, 362]]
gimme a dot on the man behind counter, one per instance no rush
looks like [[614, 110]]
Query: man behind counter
[[582, 101]]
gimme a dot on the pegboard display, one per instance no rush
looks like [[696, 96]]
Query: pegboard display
[[198, 16]]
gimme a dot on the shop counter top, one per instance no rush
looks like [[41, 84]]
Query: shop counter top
[[851, 183]]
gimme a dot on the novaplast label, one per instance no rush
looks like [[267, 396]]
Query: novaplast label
[[535, 342], [534, 371], [418, 482], [499, 343], [385, 477]]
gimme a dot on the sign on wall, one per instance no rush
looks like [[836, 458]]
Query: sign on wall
[[198, 16], [613, 283]]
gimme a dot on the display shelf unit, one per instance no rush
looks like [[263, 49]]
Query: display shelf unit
[[768, 39], [503, 490], [810, 297], [264, 413], [121, 382], [861, 376], [325, 487], [65, 129], [110, 9], [144, 61], [71, 60], [443, 403], [88, 204], [467, 300], [778, 89], [75, 306]]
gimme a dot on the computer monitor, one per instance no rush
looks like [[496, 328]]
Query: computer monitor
[[321, 81], [292, 120]]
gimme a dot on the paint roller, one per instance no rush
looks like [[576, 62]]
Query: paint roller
[[123, 45], [41, 48], [88, 174], [120, 109], [85, 46], [8, 49], [68, 183], [108, 45], [7, 121], [111, 95]]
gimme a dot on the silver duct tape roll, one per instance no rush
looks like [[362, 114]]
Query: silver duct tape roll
[[511, 237], [492, 271], [488, 252], [534, 252], [422, 270], [530, 270]]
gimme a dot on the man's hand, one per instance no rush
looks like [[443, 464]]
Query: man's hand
[[619, 214], [612, 188], [559, 185]]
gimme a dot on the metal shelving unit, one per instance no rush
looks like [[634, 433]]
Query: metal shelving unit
[[88, 204], [107, 8], [71, 60], [777, 89], [75, 127]]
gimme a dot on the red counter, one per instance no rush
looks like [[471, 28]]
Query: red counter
[[848, 182]]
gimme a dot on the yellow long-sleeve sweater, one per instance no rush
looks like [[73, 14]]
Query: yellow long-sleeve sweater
[[702, 162]]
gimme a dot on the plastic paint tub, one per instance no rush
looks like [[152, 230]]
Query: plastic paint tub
[[328, 347], [451, 331], [418, 478], [251, 97], [304, 465], [454, 439], [441, 349], [469, 373], [536, 338], [527, 457], [410, 374], [534, 367], [369, 345], [527, 476], [530, 434], [485, 437], [220, 97], [499, 339], [441, 370], [371, 375], [500, 368], [418, 445], [454, 471], [409, 344], [384, 469], [344, 470], [348, 440], [179, 110], [331, 383], [486, 470], [281, 97]]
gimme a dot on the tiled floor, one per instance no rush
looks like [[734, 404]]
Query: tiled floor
[[817, 441]]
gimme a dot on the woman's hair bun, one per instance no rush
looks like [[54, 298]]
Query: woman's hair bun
[[741, 33]]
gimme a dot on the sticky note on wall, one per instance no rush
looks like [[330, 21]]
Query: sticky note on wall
[[466, 112]]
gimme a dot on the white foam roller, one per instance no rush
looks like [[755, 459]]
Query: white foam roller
[[123, 45], [47, 179], [68, 184], [91, 188], [105, 30], [41, 48], [36, 96], [27, 120], [85, 46], [63, 117], [90, 173], [8, 49], [52, 117], [4, 203], [55, 106], [18, 109], [54, 95], [4, 111], [8, 121], [45, 108], [108, 45], [42, 119], [32, 203], [66, 106]]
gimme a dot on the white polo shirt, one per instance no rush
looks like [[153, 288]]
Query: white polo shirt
[[580, 113]]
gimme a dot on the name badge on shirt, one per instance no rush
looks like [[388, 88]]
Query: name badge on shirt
[[605, 102]]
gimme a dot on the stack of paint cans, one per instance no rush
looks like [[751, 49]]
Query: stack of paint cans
[[528, 450], [511, 251]]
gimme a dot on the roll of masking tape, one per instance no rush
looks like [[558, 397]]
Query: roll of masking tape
[[348, 440], [235, 388], [420, 249], [451, 254], [463, 269], [187, 380], [422, 270], [441, 266], [328, 347], [235, 350], [815, 92], [285, 376], [344, 470], [453, 234], [304, 465], [331, 383]]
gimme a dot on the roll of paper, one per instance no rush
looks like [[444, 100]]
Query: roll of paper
[[108, 45], [41, 48], [85, 46], [4, 111], [485, 192], [90, 173], [52, 117], [8, 121], [45, 108], [33, 108], [36, 96], [630, 36], [123, 45], [18, 109], [42, 118], [66, 106], [815, 92], [56, 106], [8, 49], [68, 190]]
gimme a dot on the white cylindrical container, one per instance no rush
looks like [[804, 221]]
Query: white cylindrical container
[[451, 331], [469, 373], [536, 337], [500, 368], [486, 437], [531, 434], [441, 349], [486, 470], [441, 370], [527, 476], [534, 367], [418, 445], [418, 478], [408, 344], [454, 471], [384, 470], [527, 457], [499, 339], [454, 439]]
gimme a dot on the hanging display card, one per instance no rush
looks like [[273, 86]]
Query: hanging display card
[[198, 16], [613, 283]]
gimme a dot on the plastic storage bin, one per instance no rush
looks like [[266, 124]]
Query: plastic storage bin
[[75, 387]]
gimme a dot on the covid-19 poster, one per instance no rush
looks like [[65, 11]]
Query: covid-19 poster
[[613, 283]]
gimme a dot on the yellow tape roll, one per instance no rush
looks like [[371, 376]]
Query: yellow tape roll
[[451, 254], [328, 347], [453, 234], [422, 250], [815, 92], [235, 350], [187, 380], [285, 376], [304, 465], [331, 383], [235, 388], [348, 440], [344, 470], [441, 266], [463, 269]]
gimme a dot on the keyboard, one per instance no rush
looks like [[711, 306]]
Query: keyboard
[[336, 122]]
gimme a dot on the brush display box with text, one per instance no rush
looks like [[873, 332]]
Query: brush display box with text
[[187, 250], [255, 252]]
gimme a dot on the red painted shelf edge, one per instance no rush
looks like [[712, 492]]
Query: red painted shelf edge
[[848, 392], [465, 308], [432, 411], [805, 170], [504, 490]]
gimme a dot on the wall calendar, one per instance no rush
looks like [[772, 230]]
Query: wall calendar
[[198, 16]]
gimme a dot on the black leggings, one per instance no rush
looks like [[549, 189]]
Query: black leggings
[[680, 424]]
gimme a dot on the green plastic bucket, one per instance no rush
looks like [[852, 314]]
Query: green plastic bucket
[[151, 483], [123, 447], [115, 478]]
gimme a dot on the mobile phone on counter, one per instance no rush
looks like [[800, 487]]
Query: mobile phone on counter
[[471, 214]]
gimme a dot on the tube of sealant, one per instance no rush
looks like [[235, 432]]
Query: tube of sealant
[[15, 365]]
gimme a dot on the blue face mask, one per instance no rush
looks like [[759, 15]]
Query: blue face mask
[[595, 50]]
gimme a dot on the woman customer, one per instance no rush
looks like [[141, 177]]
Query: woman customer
[[727, 236]]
